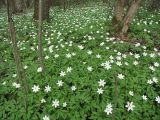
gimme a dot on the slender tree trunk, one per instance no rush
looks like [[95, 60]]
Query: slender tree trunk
[[130, 15], [36, 9], [12, 6], [45, 7], [40, 49], [16, 53], [64, 5]]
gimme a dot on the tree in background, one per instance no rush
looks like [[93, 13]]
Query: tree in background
[[154, 4], [122, 20], [17, 6], [105, 1], [45, 9], [65, 4]]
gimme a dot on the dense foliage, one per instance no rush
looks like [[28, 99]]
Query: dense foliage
[[89, 74]]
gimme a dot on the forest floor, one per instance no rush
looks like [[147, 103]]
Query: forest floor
[[89, 74]]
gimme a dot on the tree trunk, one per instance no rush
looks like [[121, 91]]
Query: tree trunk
[[64, 5], [16, 53], [45, 9], [2, 2], [130, 15], [40, 49], [118, 14], [19, 5]]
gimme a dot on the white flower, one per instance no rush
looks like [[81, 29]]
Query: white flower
[[55, 103], [150, 82], [47, 57], [100, 91], [62, 73], [111, 57], [69, 69], [14, 75], [60, 83], [152, 55], [156, 64], [46, 117], [73, 54], [119, 53], [84, 63], [25, 67], [39, 69], [97, 31], [102, 43], [144, 54], [137, 44], [73, 88], [118, 57], [80, 47], [130, 106], [152, 68], [89, 52], [124, 55], [64, 104], [16, 85], [108, 109], [35, 88], [56, 55], [89, 68], [68, 55], [43, 100], [155, 49], [144, 47], [135, 62], [120, 76], [98, 56], [47, 89], [131, 93], [4, 83], [107, 48], [107, 65], [158, 99], [155, 80], [126, 63], [118, 63], [136, 56], [144, 97], [101, 83], [130, 53]]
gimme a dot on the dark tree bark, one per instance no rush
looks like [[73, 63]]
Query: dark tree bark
[[45, 9], [17, 6], [120, 21], [40, 48], [130, 15], [2, 3], [16, 52], [118, 14], [155, 4], [65, 4]]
